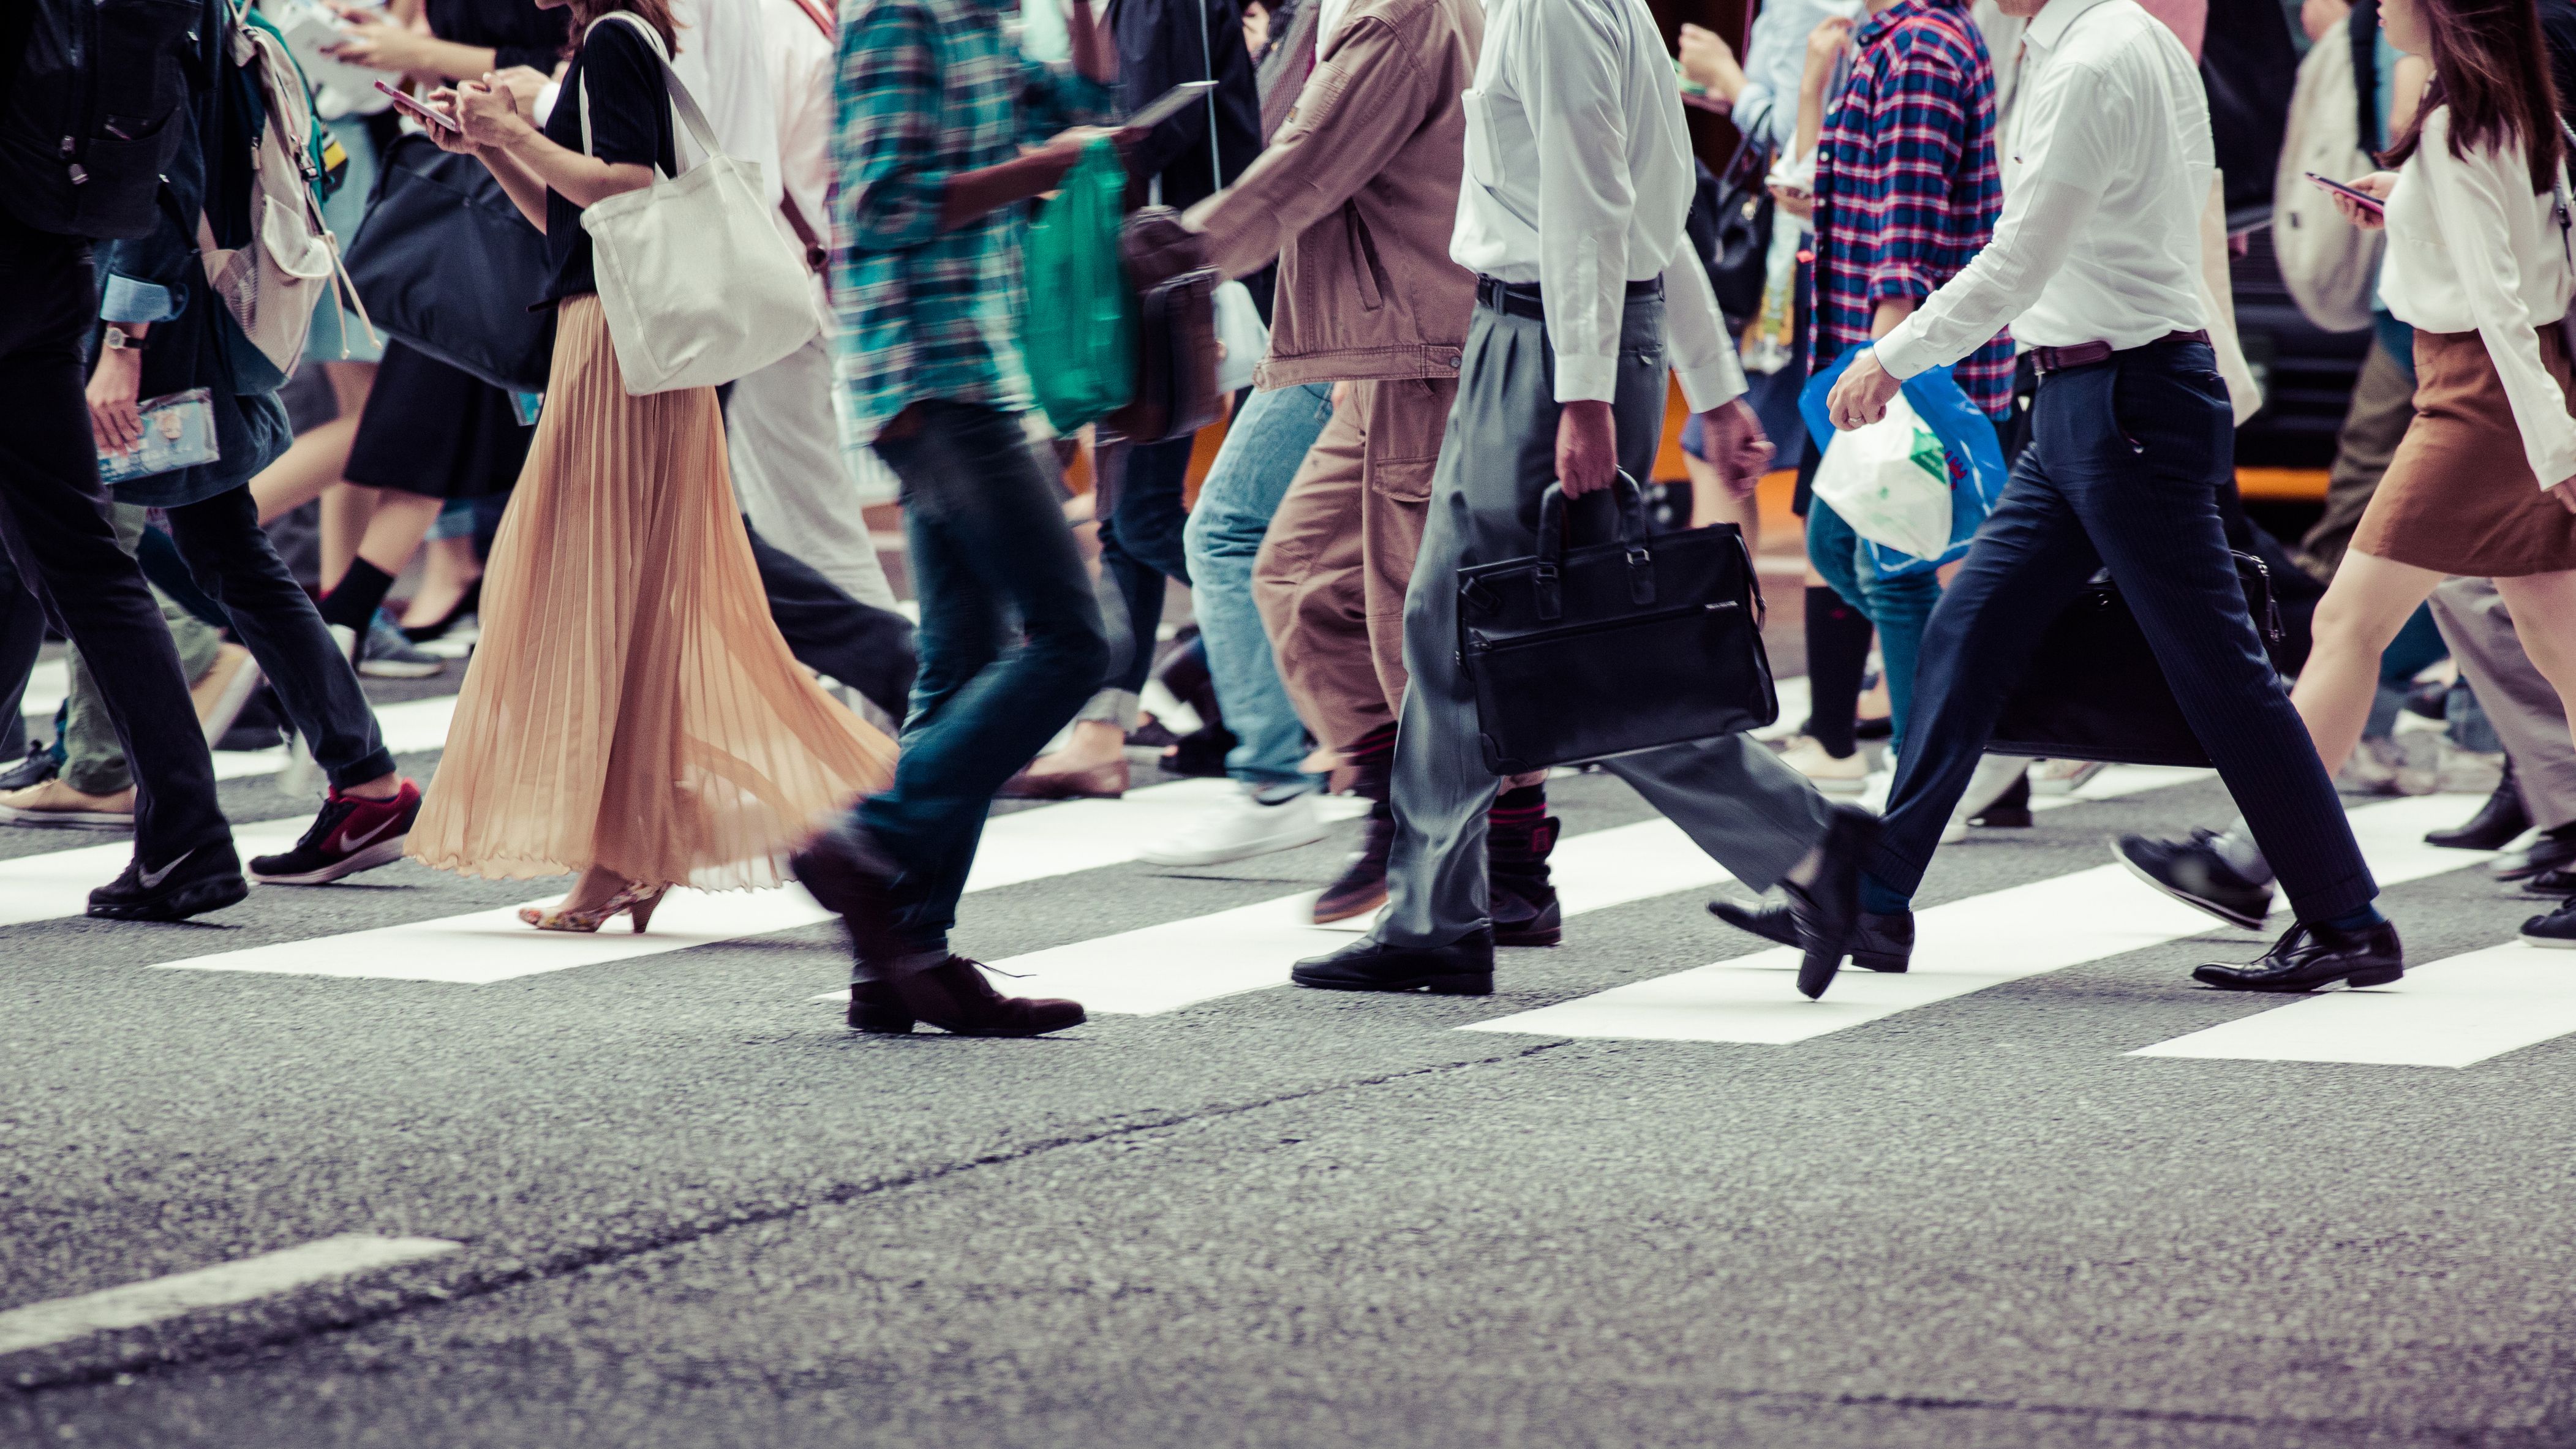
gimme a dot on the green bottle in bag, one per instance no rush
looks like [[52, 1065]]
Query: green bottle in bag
[[1080, 334]]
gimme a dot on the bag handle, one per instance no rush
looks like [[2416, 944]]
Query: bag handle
[[674, 89], [1629, 502], [1207, 62]]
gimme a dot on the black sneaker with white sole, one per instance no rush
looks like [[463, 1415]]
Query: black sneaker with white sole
[[2556, 931], [350, 835], [207, 878], [2196, 874]]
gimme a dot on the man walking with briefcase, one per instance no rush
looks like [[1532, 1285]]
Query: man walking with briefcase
[[1578, 179], [2096, 263]]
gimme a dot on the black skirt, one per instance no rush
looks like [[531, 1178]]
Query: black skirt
[[433, 430]]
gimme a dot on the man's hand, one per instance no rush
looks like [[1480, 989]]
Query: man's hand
[[1587, 448], [1732, 434], [1862, 395], [113, 386]]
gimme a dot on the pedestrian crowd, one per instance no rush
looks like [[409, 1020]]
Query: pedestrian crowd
[[623, 314]]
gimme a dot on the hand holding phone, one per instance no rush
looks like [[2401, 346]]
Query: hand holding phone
[[420, 111], [2364, 209]]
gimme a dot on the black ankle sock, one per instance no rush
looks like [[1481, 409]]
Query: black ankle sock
[[1837, 655], [1529, 802], [360, 594]]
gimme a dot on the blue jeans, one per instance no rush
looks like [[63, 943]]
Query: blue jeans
[[1897, 606], [993, 562], [2126, 462], [1264, 445]]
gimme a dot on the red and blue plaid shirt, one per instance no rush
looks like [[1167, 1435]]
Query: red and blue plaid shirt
[[1906, 186]]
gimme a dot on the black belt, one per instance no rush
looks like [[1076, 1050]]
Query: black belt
[[2083, 354], [1521, 299]]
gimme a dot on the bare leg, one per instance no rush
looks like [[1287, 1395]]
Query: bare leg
[[2544, 619], [400, 522], [1712, 502], [2368, 602], [1092, 744], [346, 511], [313, 463]]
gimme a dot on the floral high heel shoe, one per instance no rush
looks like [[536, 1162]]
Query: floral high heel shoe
[[631, 900]]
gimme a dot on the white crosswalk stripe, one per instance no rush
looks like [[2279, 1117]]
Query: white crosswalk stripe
[[1962, 947], [2455, 1012]]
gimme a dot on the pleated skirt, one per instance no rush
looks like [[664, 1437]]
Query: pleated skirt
[[630, 704]]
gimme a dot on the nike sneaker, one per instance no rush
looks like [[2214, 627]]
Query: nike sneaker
[[350, 835], [207, 878]]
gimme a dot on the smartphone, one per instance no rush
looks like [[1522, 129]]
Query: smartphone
[[2374, 204], [1167, 105], [418, 110]]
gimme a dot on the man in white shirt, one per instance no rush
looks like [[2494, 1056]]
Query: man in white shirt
[[2096, 266], [1578, 176]]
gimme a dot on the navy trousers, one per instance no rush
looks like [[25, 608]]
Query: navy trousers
[[2126, 464]]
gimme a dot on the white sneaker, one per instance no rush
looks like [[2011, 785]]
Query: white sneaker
[[1845, 776], [1241, 828]]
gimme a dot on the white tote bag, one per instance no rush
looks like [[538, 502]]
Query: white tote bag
[[699, 285], [1890, 481]]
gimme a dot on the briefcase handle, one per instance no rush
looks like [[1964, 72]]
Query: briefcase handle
[[1629, 508]]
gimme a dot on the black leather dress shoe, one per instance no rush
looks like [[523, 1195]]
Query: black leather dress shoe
[[2551, 885], [954, 997], [2554, 851], [2556, 931], [2494, 826], [2194, 873], [2307, 957], [1881, 943], [1826, 909], [1464, 967]]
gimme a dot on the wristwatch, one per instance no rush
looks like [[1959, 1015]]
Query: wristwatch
[[119, 340]]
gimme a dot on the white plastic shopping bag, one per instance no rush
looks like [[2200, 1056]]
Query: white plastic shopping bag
[[1891, 482]]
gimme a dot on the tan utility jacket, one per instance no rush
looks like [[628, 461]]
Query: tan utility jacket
[[1357, 197]]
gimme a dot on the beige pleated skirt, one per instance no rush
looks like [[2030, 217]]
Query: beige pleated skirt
[[631, 705]]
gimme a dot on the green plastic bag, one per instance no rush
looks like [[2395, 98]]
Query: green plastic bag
[[1080, 335]]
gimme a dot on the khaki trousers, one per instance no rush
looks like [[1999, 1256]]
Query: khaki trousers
[[1332, 572]]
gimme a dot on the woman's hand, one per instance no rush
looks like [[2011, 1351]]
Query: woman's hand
[[443, 101], [2565, 493], [1800, 204], [113, 387], [2377, 183], [1825, 45], [379, 46], [523, 84], [1708, 61], [488, 112]]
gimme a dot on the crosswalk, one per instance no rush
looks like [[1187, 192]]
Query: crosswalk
[[2451, 1013]]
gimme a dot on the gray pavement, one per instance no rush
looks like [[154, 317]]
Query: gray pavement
[[695, 1210]]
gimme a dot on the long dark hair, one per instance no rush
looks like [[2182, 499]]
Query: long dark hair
[[2491, 67], [656, 13]]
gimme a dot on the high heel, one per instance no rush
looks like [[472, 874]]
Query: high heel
[[468, 602], [632, 899]]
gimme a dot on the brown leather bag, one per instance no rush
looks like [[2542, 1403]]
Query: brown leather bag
[[1176, 392]]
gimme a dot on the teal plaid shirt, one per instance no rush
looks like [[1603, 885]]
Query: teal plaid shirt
[[928, 89]]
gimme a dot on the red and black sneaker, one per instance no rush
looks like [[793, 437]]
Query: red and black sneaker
[[350, 835]]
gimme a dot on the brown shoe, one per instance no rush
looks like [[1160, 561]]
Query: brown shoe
[[955, 997], [52, 802], [1100, 782]]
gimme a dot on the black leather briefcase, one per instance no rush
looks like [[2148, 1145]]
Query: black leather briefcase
[[1604, 648], [2095, 692]]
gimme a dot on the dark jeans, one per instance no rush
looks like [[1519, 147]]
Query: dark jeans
[[231, 558], [992, 560], [55, 527], [1140, 546], [862, 646], [2121, 472]]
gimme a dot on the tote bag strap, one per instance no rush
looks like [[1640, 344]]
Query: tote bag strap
[[678, 90], [1207, 57]]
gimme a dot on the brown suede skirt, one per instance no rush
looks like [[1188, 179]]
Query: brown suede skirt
[[2459, 496]]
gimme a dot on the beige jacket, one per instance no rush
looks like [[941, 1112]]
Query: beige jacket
[[1357, 197]]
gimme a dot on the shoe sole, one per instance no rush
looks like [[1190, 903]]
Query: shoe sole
[[1268, 847], [2233, 918], [2002, 820], [388, 669], [2550, 943], [64, 819], [1840, 787], [383, 852], [2514, 873], [1548, 937], [1448, 984], [2358, 980], [195, 900]]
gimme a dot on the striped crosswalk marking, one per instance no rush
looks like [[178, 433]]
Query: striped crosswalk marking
[[1962, 947], [2455, 1012]]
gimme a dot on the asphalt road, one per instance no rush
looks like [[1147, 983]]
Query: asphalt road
[[694, 1210]]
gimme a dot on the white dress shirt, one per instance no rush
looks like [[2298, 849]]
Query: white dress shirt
[[2471, 249], [725, 65], [800, 80], [2105, 168], [1578, 179], [1775, 64]]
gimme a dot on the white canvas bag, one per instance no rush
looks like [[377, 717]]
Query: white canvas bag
[[1891, 482], [2330, 266], [698, 284]]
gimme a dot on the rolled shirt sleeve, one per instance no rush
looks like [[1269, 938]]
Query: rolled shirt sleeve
[[128, 300], [1572, 80], [886, 137], [2470, 198]]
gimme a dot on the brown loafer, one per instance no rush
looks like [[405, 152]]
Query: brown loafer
[[1100, 782], [955, 997]]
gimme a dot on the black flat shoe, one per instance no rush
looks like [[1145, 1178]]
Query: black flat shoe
[[2194, 873], [1464, 967], [1881, 943], [2497, 823], [1827, 909], [2010, 810], [2307, 957], [2555, 931], [2554, 851], [2550, 885]]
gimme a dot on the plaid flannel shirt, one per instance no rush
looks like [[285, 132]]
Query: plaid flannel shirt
[[1906, 185], [927, 89]]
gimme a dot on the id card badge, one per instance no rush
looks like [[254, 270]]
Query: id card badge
[[178, 432]]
